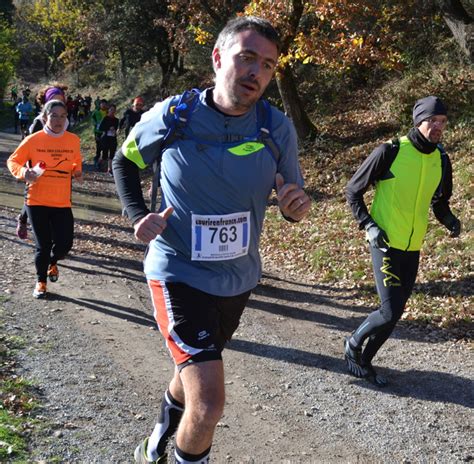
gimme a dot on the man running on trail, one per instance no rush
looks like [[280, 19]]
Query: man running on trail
[[203, 259], [109, 126], [408, 174], [96, 118], [132, 115]]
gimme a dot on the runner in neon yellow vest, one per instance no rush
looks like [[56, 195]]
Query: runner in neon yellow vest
[[409, 174]]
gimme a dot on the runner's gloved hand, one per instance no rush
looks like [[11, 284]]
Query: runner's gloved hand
[[376, 236], [453, 224]]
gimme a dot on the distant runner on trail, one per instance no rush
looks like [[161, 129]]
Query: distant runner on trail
[[203, 259], [409, 174], [108, 127], [132, 115], [25, 112], [14, 93], [54, 158], [96, 118]]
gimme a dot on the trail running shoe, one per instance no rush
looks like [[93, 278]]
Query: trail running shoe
[[372, 376], [40, 290], [21, 228], [353, 359], [53, 272], [141, 456], [358, 368]]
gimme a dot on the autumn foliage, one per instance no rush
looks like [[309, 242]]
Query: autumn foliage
[[334, 34]]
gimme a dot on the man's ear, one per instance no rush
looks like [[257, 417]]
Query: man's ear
[[216, 58]]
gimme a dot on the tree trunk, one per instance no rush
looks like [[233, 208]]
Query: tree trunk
[[123, 65], [175, 60], [293, 106], [166, 71], [286, 81], [181, 65], [459, 16]]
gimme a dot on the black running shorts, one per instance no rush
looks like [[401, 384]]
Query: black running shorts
[[195, 324]]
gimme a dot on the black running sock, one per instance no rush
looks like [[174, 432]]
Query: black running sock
[[186, 458], [171, 412]]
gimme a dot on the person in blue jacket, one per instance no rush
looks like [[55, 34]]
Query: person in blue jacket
[[203, 254], [25, 112]]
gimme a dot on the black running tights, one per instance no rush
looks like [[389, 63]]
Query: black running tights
[[53, 229], [395, 274]]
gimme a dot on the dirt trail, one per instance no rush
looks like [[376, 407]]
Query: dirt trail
[[101, 367]]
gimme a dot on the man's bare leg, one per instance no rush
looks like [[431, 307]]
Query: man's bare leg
[[203, 386]]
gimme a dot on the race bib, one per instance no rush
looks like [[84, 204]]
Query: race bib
[[219, 238]]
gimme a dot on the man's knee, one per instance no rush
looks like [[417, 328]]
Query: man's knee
[[391, 313], [204, 392], [206, 413]]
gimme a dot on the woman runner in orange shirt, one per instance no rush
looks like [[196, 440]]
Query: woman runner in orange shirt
[[48, 194]]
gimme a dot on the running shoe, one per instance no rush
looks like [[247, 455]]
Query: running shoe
[[21, 228], [353, 358], [141, 457], [373, 376], [40, 290], [358, 368], [53, 272]]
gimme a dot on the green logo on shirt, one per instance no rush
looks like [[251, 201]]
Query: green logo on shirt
[[246, 148]]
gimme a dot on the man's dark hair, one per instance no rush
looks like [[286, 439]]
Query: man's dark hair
[[245, 23]]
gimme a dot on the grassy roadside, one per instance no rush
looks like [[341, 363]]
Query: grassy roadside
[[17, 399]]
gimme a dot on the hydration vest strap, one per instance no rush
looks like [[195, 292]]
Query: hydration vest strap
[[181, 114], [264, 125]]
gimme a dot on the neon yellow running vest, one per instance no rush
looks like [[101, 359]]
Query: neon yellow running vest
[[401, 203]]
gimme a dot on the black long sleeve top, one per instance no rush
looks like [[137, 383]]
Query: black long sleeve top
[[129, 119], [127, 181]]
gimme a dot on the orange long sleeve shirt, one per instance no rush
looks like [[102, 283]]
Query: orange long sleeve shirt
[[62, 156]]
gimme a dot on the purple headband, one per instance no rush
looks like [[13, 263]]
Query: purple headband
[[51, 92]]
